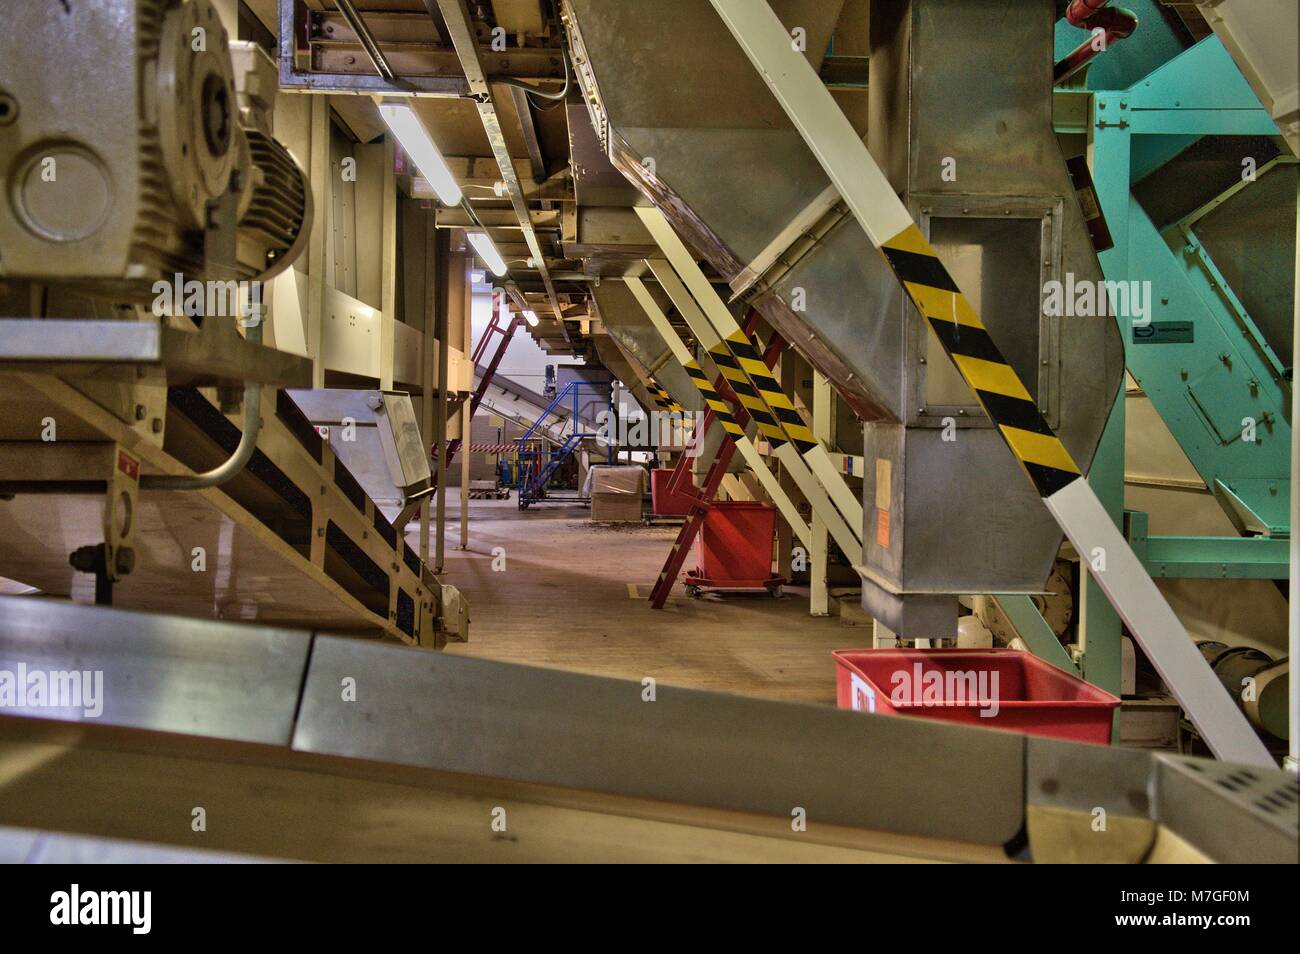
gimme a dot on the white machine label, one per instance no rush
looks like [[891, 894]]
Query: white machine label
[[863, 696]]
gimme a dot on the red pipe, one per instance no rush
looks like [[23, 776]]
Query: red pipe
[[1116, 23], [1079, 11]]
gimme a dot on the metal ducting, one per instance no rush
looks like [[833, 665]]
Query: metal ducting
[[625, 322], [968, 143]]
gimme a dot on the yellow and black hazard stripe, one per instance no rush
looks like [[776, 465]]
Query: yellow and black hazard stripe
[[751, 362], [751, 379], [997, 387], [663, 400], [721, 410], [753, 403]]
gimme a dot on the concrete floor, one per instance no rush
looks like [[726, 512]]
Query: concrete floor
[[564, 600]]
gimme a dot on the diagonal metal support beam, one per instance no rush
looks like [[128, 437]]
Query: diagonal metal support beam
[[534, 146], [455, 14], [353, 16], [743, 442], [1033, 629], [770, 394], [842, 530]]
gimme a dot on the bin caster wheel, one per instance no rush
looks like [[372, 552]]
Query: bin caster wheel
[[693, 592], [776, 591]]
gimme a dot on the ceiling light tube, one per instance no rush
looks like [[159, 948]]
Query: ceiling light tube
[[531, 317], [488, 252], [415, 139]]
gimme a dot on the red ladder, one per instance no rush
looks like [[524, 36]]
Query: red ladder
[[713, 479], [494, 328]]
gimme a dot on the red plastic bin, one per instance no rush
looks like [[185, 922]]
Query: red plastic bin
[[734, 545], [1021, 692], [663, 501]]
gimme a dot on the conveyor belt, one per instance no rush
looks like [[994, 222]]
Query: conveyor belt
[[293, 539], [252, 723], [510, 399]]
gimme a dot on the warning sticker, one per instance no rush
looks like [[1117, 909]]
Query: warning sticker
[[128, 464], [882, 528]]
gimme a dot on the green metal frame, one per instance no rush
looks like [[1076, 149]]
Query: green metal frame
[[1033, 629], [1207, 558], [1200, 92], [1131, 133]]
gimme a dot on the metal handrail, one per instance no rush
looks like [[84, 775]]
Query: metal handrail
[[571, 389]]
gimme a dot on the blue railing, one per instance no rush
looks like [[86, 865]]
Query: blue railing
[[540, 456]]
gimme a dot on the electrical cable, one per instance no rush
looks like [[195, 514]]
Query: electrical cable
[[558, 96]]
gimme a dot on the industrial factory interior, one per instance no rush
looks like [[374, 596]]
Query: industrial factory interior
[[684, 431]]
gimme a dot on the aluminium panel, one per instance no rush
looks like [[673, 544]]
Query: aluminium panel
[[558, 728]]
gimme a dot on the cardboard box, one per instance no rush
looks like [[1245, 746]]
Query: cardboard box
[[615, 507], [617, 493]]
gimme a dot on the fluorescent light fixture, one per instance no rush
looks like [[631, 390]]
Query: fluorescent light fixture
[[531, 317], [415, 139], [488, 252]]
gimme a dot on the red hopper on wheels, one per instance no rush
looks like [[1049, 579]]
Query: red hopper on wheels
[[734, 549], [666, 501]]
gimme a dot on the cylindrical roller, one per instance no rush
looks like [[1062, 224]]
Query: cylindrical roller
[[1258, 683]]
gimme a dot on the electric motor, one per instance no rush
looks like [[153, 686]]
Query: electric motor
[[123, 126]]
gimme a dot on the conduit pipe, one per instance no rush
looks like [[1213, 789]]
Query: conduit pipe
[[247, 439]]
